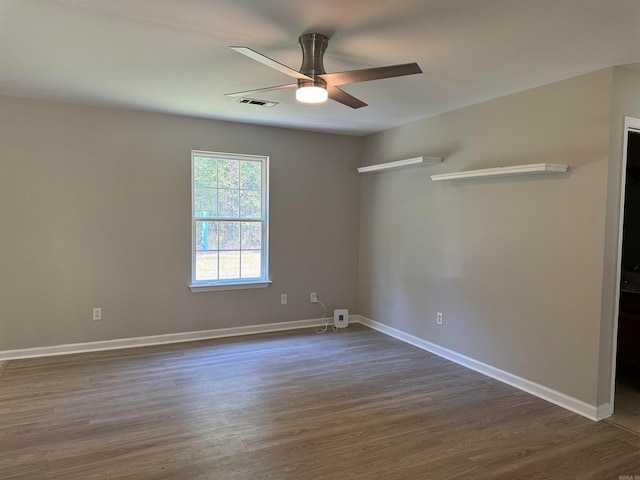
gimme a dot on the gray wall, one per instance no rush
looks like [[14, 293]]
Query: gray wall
[[516, 264], [95, 212]]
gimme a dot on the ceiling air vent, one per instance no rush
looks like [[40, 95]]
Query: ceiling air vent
[[259, 103]]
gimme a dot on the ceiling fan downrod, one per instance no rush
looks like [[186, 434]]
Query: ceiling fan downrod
[[313, 47]]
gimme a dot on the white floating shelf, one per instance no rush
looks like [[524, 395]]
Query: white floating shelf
[[380, 167], [530, 169]]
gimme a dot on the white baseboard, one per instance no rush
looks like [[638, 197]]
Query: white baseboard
[[553, 396], [156, 339], [604, 411], [558, 398]]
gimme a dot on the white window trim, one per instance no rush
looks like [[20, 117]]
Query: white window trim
[[212, 287], [232, 284]]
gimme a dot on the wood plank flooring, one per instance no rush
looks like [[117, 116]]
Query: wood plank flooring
[[627, 401], [352, 404]]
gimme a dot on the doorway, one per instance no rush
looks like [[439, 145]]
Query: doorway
[[627, 374]]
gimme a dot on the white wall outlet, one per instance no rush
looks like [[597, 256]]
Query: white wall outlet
[[439, 318], [313, 298], [97, 314], [283, 299], [341, 318]]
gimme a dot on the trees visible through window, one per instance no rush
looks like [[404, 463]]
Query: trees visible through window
[[229, 219]]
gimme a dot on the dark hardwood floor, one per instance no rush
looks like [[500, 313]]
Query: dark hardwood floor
[[352, 404]]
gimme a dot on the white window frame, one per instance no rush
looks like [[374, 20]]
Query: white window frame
[[232, 284]]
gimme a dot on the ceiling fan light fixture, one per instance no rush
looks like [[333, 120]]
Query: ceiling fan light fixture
[[312, 94]]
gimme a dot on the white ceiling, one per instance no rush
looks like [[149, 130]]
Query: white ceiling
[[173, 55]]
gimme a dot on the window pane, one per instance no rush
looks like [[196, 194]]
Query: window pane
[[229, 218], [230, 264], [251, 235], [205, 172], [207, 265], [250, 204], [251, 263], [228, 174], [229, 236], [228, 203], [251, 176], [206, 236], [206, 202]]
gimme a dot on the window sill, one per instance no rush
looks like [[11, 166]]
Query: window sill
[[212, 287]]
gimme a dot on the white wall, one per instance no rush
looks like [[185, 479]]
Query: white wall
[[95, 212], [514, 264]]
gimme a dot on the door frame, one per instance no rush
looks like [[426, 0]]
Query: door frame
[[631, 124]]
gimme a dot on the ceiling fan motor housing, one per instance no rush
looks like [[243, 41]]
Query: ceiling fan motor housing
[[313, 47]]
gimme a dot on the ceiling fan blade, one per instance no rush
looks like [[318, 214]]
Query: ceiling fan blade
[[256, 90], [271, 63], [343, 97], [354, 76]]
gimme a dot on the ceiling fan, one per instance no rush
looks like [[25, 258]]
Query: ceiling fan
[[314, 84]]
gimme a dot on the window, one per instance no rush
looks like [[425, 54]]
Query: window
[[229, 221]]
